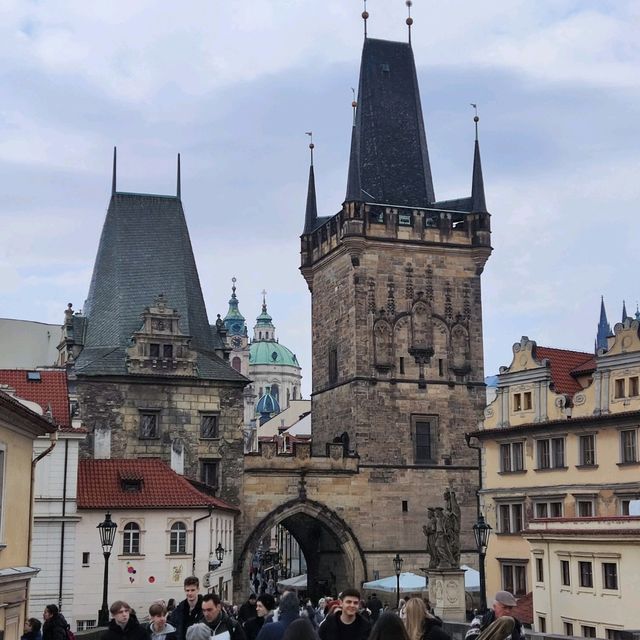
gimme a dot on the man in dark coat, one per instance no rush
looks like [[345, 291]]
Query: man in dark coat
[[346, 622], [248, 609], [218, 620], [499, 623], [375, 606], [123, 625], [189, 611], [288, 611], [265, 604]]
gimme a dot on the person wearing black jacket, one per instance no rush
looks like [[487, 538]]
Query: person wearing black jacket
[[189, 611], [123, 625], [265, 604], [499, 623], [248, 609], [218, 620], [55, 626], [346, 622]]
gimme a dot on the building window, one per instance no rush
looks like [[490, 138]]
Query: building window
[[552, 509], [517, 402], [628, 446], [401, 365], [514, 578], [618, 388], [424, 437], [585, 509], [610, 575], [613, 634], [588, 631], [565, 573], [209, 426], [236, 363], [154, 350], [405, 506], [568, 629], [85, 625], [275, 391], [167, 351], [511, 457], [333, 364], [634, 387], [2, 483], [588, 450], [550, 453], [542, 624], [510, 517], [131, 539], [85, 558], [586, 574], [178, 538], [539, 569], [528, 405], [149, 424], [209, 472]]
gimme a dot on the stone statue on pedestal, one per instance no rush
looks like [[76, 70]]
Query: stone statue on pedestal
[[443, 533]]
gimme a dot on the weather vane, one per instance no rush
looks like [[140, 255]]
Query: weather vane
[[365, 17], [311, 145], [475, 118], [409, 20]]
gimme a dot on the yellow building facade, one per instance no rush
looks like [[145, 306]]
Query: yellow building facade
[[560, 478], [19, 427]]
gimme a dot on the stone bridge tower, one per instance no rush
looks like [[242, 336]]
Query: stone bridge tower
[[397, 351]]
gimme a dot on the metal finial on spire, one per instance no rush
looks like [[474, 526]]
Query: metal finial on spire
[[113, 178], [264, 300], [178, 185], [311, 145], [365, 17], [475, 118], [409, 20], [354, 105], [233, 286]]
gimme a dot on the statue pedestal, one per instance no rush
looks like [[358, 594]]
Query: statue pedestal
[[446, 593]]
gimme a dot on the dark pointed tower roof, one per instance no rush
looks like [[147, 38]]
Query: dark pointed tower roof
[[145, 251], [478, 203], [604, 329], [389, 158], [311, 214], [625, 315]]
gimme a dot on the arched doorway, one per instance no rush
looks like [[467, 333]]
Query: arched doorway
[[334, 558]]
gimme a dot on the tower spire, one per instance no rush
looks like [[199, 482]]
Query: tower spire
[[113, 178], [604, 329], [178, 186], [311, 213], [478, 202], [365, 17], [409, 20], [624, 311]]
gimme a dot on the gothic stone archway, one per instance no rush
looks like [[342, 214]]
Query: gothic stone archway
[[333, 555]]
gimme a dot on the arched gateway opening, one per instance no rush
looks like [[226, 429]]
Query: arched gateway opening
[[334, 558]]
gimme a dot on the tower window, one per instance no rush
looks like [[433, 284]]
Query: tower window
[[405, 506], [149, 424], [424, 438], [401, 365], [154, 350], [167, 351], [333, 364], [209, 426], [209, 472]]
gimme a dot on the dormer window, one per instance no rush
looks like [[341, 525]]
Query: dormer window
[[131, 484], [34, 376]]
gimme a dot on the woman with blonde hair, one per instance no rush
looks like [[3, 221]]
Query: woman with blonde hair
[[421, 625]]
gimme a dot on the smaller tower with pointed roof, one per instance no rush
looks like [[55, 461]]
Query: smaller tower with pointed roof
[[604, 329]]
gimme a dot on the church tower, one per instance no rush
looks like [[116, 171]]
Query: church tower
[[395, 283]]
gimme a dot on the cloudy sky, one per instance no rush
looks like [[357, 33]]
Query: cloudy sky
[[234, 85]]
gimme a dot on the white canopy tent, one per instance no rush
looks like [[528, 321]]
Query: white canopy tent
[[413, 583], [297, 582]]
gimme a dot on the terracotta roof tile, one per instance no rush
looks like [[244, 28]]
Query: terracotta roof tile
[[524, 609], [100, 486], [563, 362], [51, 389]]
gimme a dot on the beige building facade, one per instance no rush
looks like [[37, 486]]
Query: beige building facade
[[560, 478]]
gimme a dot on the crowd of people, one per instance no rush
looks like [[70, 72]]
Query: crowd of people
[[348, 617]]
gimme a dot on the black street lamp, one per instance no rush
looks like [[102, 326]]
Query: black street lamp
[[397, 565], [220, 551], [481, 532], [107, 531]]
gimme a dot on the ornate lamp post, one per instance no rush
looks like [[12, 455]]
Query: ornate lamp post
[[481, 532], [397, 565], [107, 531], [220, 551]]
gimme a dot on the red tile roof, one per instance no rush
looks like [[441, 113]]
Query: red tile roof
[[100, 486], [563, 362], [524, 609], [51, 389]]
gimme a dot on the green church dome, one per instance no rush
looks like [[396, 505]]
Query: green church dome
[[270, 352]]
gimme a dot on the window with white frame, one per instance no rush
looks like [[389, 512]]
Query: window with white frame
[[588, 631], [511, 457], [618, 388], [565, 573], [178, 538], [131, 539], [548, 508], [550, 453], [514, 577], [539, 569], [628, 446], [587, 451], [2, 483], [85, 625], [510, 517], [585, 574], [585, 507]]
